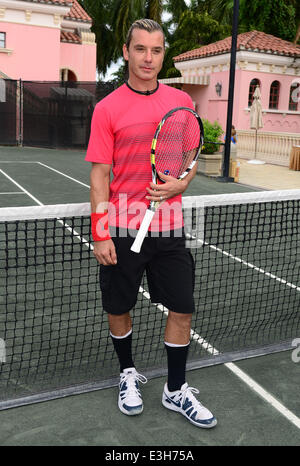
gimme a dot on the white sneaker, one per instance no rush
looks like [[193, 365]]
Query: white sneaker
[[184, 402], [130, 398]]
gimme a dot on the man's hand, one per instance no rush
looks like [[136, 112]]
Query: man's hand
[[105, 252], [172, 187]]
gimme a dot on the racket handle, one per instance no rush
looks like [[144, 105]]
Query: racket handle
[[137, 244]]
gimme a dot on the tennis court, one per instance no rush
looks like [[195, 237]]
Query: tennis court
[[52, 332]]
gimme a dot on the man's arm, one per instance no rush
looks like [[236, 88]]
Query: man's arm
[[172, 186], [104, 251]]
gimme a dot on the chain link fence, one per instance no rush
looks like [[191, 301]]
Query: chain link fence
[[51, 114]]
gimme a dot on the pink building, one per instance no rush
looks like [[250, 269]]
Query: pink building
[[264, 60], [46, 40]]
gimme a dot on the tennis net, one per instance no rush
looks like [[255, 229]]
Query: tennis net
[[54, 338]]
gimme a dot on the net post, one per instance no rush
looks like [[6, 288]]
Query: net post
[[225, 179], [19, 113]]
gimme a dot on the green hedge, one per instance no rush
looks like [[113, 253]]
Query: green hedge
[[212, 133]]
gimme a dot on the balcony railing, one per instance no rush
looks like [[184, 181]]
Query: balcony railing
[[272, 147]]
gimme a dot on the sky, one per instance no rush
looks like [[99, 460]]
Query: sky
[[114, 67]]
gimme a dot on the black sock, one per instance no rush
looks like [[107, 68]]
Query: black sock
[[122, 347], [177, 356]]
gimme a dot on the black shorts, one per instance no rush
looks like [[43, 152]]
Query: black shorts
[[170, 272]]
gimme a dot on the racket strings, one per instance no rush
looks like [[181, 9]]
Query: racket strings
[[177, 143]]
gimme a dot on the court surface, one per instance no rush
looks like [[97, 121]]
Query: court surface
[[255, 401]]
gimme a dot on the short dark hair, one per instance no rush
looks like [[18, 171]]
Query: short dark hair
[[147, 25]]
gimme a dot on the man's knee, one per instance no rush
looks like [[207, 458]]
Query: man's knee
[[119, 324], [180, 318]]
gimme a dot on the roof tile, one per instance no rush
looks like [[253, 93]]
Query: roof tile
[[76, 12], [59, 2], [252, 40], [69, 37]]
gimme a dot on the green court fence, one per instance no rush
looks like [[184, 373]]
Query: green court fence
[[9, 112], [50, 114]]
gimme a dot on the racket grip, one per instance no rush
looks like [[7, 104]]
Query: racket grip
[[137, 244]]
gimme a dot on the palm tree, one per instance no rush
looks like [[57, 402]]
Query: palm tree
[[193, 30], [277, 17], [297, 37], [297, 15], [220, 10], [122, 15], [176, 8], [100, 14], [125, 12], [154, 10]]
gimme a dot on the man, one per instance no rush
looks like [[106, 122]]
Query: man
[[122, 129]]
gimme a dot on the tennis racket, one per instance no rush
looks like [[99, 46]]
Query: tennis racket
[[175, 147]]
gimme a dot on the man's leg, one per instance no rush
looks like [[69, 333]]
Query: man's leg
[[177, 340], [130, 399], [119, 325], [121, 333], [171, 282], [120, 287], [178, 328], [177, 395]]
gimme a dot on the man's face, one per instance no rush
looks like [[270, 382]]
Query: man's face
[[145, 54]]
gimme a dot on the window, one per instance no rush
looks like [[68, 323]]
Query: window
[[252, 87], [274, 95], [294, 96], [67, 75], [2, 40]]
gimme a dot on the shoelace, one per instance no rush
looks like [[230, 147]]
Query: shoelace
[[130, 379], [189, 392]]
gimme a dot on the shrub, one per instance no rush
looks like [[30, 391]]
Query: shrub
[[212, 133]]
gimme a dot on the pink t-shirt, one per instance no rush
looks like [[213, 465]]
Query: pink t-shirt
[[122, 130]]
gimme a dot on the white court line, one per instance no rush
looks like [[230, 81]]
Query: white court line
[[19, 161], [74, 232], [13, 161], [233, 367], [264, 394], [21, 187], [196, 337], [289, 415], [248, 264], [63, 174], [250, 382], [49, 168]]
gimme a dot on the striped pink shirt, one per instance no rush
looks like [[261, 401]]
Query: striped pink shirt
[[122, 129]]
